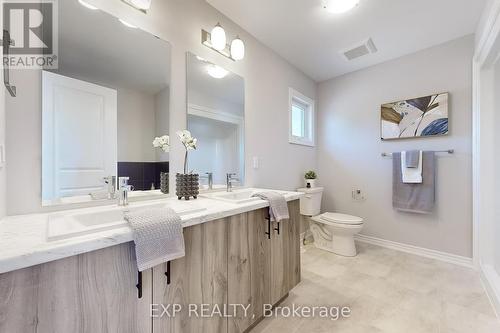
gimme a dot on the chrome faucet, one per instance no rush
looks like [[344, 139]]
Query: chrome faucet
[[210, 177], [230, 180], [123, 190], [110, 181]]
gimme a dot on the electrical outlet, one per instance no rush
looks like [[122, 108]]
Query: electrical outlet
[[358, 195]]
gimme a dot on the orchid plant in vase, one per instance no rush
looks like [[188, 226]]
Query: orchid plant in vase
[[187, 184], [163, 142], [189, 143]]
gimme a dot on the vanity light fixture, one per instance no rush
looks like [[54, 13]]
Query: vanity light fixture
[[87, 5], [217, 41], [339, 6], [216, 72], [125, 23], [218, 38], [142, 5], [237, 49]]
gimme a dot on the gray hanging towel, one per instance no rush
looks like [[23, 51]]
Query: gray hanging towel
[[278, 207], [412, 158], [157, 234], [414, 198]]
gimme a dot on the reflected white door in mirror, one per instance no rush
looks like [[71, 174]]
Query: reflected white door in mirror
[[79, 122]]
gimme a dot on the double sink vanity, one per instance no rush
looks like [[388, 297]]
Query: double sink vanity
[[75, 271], [69, 265]]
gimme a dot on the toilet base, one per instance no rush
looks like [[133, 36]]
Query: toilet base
[[339, 244]]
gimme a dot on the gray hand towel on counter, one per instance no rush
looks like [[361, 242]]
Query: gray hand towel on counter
[[157, 234], [412, 158], [278, 207], [414, 198]]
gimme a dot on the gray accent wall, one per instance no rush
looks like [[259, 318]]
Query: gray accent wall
[[349, 146]]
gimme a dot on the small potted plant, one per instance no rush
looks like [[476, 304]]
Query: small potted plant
[[187, 184], [310, 177], [163, 142]]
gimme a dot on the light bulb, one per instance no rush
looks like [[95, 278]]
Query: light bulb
[[216, 72], [237, 49], [218, 38], [87, 5], [340, 6]]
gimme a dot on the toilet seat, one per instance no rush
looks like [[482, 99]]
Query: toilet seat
[[337, 218]]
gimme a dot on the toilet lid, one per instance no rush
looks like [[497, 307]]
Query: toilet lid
[[341, 218]]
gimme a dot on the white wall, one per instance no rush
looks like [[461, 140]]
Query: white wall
[[267, 79], [349, 146], [136, 126]]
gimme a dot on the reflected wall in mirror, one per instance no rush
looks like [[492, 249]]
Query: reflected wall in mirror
[[103, 108], [216, 117]]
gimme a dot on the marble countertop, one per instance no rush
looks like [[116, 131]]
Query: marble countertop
[[23, 238]]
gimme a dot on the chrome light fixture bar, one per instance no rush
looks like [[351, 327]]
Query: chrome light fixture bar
[[234, 51], [206, 39]]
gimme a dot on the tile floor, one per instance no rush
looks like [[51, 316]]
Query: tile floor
[[387, 291]]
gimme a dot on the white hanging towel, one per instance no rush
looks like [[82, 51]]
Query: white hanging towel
[[411, 175]]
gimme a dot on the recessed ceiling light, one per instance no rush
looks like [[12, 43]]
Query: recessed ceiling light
[[87, 5], [340, 6], [216, 72], [125, 23]]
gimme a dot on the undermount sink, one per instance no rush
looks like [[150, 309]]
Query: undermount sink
[[66, 225], [237, 197]]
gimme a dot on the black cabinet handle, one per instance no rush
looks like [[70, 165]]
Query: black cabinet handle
[[167, 273], [139, 285], [268, 232], [277, 228]]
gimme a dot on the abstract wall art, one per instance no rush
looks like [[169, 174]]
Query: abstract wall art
[[413, 118]]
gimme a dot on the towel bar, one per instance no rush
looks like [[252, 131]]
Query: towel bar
[[449, 151]]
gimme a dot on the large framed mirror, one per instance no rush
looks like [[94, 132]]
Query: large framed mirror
[[216, 117], [103, 108]]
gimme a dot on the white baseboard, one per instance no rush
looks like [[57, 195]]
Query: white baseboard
[[491, 283], [419, 251]]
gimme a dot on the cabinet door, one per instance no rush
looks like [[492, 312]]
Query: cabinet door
[[285, 254], [91, 292], [249, 268], [198, 278]]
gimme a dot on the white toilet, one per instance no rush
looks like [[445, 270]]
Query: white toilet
[[333, 232]]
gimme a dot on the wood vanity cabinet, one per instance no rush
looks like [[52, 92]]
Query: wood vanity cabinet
[[198, 278], [92, 292], [228, 261], [261, 269]]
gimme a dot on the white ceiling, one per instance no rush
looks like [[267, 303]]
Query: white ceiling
[[311, 38], [94, 46]]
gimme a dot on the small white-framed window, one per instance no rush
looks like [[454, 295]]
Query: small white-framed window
[[301, 117]]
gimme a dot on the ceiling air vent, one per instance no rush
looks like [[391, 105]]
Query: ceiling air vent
[[366, 47]]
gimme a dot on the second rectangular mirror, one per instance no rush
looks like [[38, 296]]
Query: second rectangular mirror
[[216, 117]]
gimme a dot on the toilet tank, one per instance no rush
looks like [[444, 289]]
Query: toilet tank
[[310, 203]]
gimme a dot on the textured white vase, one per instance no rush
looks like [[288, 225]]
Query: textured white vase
[[312, 182]]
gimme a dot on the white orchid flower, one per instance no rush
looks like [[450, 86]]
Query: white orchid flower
[[162, 142]]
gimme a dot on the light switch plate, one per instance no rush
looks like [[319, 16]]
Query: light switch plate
[[255, 162]]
